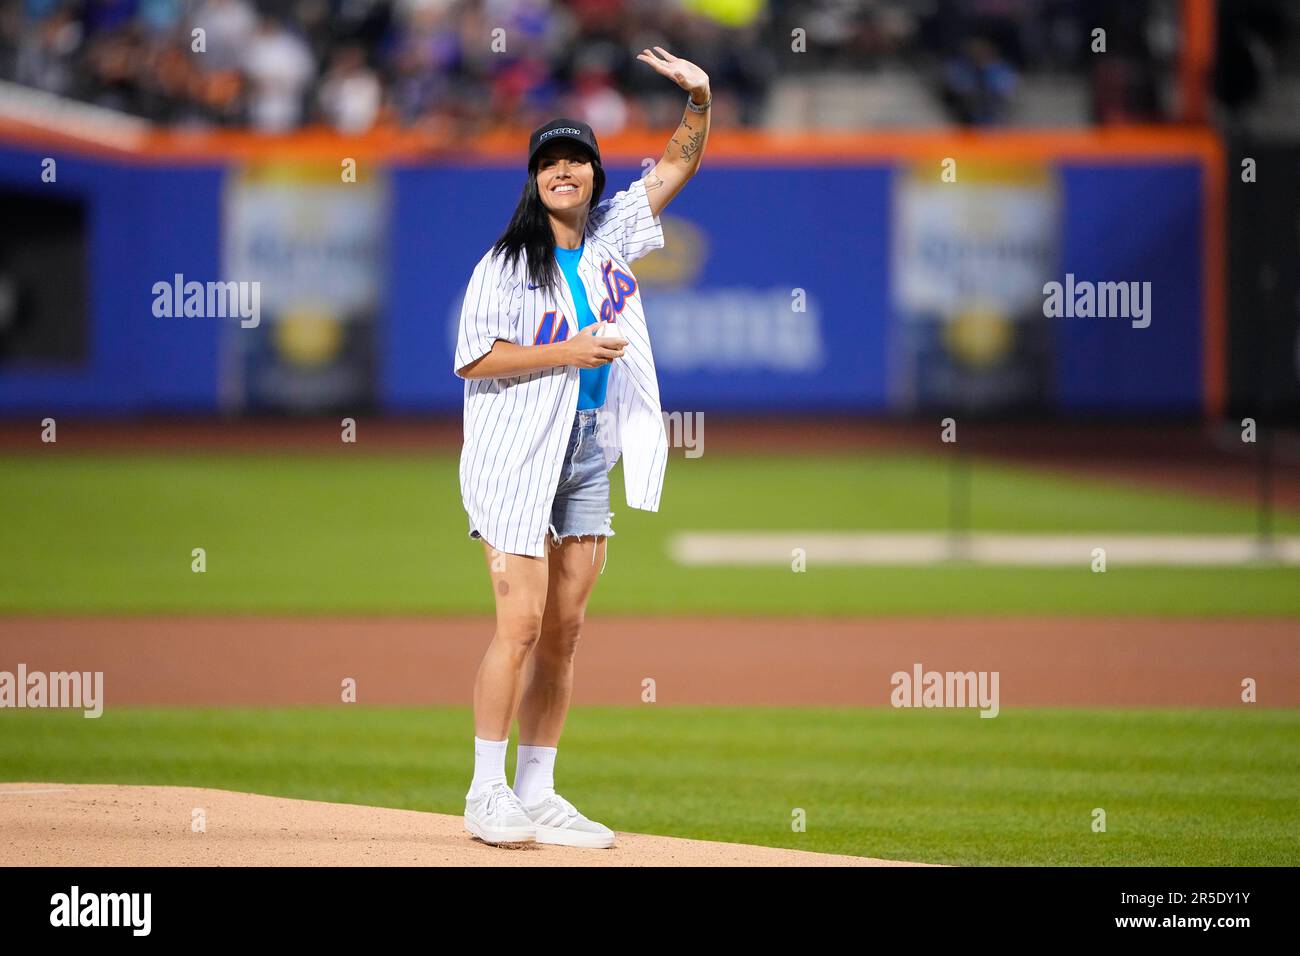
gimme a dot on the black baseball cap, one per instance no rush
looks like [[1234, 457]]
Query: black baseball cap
[[575, 130]]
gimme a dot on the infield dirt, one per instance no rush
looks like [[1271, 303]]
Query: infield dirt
[[52, 824], [259, 661]]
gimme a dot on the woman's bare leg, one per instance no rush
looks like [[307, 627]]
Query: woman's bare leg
[[545, 701], [519, 584]]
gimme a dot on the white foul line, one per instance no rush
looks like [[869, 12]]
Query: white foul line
[[750, 548]]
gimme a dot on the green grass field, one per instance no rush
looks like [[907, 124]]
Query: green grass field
[[386, 534], [1178, 787], [324, 534]]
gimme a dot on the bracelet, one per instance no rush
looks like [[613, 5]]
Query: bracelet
[[690, 104]]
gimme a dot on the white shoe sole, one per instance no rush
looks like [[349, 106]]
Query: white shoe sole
[[496, 835], [558, 836]]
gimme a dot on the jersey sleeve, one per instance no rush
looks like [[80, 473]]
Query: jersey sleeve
[[491, 310], [626, 222]]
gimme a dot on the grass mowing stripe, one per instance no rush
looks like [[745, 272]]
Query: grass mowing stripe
[[386, 533], [1191, 787]]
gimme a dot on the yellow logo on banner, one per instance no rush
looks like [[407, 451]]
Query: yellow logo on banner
[[308, 337], [978, 338], [680, 260]]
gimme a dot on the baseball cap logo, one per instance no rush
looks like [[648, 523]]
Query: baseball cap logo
[[562, 128]]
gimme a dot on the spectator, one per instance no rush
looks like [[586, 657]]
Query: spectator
[[596, 100], [228, 27], [350, 92], [426, 56], [434, 63], [161, 17], [978, 83], [45, 55], [279, 68], [107, 16]]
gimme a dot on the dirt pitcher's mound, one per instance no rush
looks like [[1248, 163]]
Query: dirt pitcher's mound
[[53, 824]]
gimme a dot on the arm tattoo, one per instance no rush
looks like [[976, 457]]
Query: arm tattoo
[[687, 149], [692, 146], [653, 181]]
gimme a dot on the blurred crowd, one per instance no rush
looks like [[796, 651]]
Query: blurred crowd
[[464, 65], [279, 64]]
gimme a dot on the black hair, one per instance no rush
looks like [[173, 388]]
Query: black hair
[[530, 231]]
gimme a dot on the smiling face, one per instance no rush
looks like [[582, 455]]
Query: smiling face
[[565, 177]]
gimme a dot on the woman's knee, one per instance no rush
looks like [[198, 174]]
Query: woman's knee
[[521, 629], [520, 602], [559, 638]]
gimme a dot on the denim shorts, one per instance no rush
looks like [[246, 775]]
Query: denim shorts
[[581, 505]]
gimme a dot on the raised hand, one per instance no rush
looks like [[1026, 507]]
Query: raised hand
[[682, 72]]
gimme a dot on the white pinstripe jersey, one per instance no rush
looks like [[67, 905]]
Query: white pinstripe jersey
[[517, 428]]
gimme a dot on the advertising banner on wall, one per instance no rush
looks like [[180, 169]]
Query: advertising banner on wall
[[866, 288], [972, 248], [770, 292], [309, 245]]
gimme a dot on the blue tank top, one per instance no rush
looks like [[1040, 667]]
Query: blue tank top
[[591, 381]]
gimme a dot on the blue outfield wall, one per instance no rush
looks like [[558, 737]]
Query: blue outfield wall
[[143, 224], [718, 298], [1134, 222], [724, 277]]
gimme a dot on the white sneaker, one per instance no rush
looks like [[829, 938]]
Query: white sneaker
[[495, 815], [559, 822]]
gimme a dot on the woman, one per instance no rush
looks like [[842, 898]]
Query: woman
[[559, 381]]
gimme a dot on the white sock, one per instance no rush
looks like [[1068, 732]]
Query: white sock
[[489, 763], [534, 773]]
